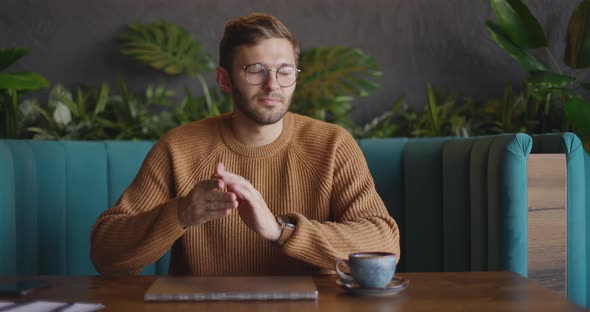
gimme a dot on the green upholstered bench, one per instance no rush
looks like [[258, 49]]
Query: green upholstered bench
[[460, 203]]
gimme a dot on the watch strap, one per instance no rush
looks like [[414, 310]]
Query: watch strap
[[287, 230]]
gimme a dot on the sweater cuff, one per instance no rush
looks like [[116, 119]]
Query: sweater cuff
[[170, 217], [303, 243]]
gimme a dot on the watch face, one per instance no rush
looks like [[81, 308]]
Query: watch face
[[285, 219]]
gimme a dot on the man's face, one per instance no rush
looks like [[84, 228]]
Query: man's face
[[268, 102]]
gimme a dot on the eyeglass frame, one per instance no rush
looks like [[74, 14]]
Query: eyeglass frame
[[268, 70]]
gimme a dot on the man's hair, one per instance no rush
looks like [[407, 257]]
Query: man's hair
[[249, 30]]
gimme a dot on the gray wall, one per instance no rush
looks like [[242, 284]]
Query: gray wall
[[414, 41]]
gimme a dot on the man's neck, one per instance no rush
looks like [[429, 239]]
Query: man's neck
[[253, 134]]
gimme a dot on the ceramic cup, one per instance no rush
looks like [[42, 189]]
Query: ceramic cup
[[368, 269]]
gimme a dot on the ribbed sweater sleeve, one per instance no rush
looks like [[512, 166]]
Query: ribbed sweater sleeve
[[143, 224], [360, 221]]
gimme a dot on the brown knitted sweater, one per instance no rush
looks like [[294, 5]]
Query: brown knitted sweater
[[314, 172]]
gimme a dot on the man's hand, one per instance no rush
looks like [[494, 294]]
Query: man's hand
[[252, 207], [205, 202]]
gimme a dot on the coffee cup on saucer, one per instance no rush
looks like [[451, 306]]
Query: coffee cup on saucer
[[368, 269]]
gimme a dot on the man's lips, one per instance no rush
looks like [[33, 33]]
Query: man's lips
[[269, 101]]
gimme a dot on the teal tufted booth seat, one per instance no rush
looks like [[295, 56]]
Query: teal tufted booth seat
[[50, 196], [578, 205], [460, 203]]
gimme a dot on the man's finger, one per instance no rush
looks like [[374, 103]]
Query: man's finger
[[236, 183], [242, 190], [218, 214], [220, 196], [212, 184], [219, 169], [214, 206], [229, 177]]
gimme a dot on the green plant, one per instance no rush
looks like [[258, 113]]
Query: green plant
[[330, 78], [517, 31], [140, 116], [69, 117], [170, 49], [94, 114], [519, 112], [193, 108], [11, 86], [385, 125], [443, 115]]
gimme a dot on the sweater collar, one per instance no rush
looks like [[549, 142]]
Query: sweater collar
[[259, 151]]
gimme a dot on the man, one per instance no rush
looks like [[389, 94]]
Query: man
[[257, 191]]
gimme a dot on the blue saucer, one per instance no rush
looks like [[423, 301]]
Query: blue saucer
[[394, 287]]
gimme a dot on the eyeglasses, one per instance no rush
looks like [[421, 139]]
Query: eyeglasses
[[256, 74]]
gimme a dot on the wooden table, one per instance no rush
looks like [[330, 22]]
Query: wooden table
[[469, 291]]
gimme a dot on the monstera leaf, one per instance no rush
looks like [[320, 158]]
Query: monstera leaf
[[329, 72], [166, 47], [330, 77]]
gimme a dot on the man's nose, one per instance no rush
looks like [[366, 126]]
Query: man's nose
[[271, 82]]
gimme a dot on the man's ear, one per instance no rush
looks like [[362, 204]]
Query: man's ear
[[223, 79]]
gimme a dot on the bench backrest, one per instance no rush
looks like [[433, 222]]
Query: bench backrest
[[460, 203]]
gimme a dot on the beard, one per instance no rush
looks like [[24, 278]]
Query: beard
[[258, 114]]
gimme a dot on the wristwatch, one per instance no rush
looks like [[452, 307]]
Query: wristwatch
[[287, 229]]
